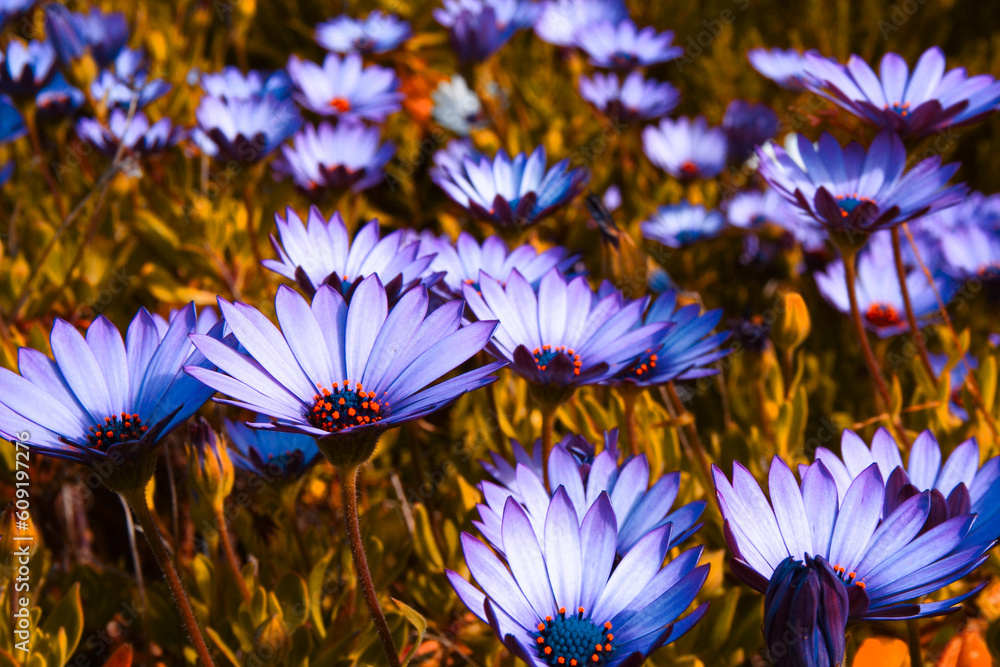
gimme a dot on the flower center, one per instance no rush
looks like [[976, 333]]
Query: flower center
[[545, 354], [364, 43], [344, 407], [573, 640], [882, 315], [850, 202], [340, 104], [623, 58], [758, 220], [689, 168], [644, 365], [687, 236], [849, 578], [902, 109], [121, 428]]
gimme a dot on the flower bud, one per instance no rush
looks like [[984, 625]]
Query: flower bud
[[209, 465], [793, 326]]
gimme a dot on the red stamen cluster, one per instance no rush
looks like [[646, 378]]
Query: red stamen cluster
[[848, 577], [344, 406], [340, 104], [546, 353], [645, 366], [883, 315], [120, 428]]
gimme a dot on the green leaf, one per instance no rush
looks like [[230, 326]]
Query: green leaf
[[293, 596], [418, 622], [221, 645], [424, 543], [317, 584], [67, 616], [6, 660]]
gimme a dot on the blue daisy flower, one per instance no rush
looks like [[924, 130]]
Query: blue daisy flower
[[678, 225], [622, 46], [747, 125], [59, 98], [271, 453], [344, 87], [230, 83], [786, 67], [347, 155], [377, 33], [478, 28], [128, 78], [635, 99], [245, 131], [560, 20], [686, 148], [139, 136], [26, 68]]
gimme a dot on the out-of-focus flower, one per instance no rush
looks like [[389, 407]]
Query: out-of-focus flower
[[26, 69], [140, 136], [635, 99], [271, 453], [457, 107], [452, 156], [12, 126], [793, 324], [747, 125], [244, 130], [752, 209], [321, 252], [560, 20], [621, 45], [66, 31], [106, 33], [11, 9], [59, 98], [853, 192], [510, 192], [478, 28], [686, 148], [377, 33], [685, 350], [564, 335], [956, 377], [879, 298], [129, 79], [464, 262], [786, 67], [972, 251], [231, 83], [344, 87], [565, 599], [341, 156], [680, 224], [975, 209], [344, 373], [917, 104]]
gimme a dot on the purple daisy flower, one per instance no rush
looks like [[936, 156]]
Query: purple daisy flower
[[925, 102], [130, 79], [853, 192], [560, 20], [960, 486], [478, 28], [377, 33], [106, 33], [879, 298], [244, 131], [884, 562], [66, 30], [564, 335], [140, 136], [639, 508], [634, 100], [344, 87], [622, 46], [231, 83], [786, 67], [563, 599], [509, 192], [341, 156], [747, 125], [271, 453], [464, 262], [11, 9], [685, 148], [104, 398], [59, 98], [12, 126], [320, 252], [971, 251], [751, 209], [975, 209], [684, 351], [26, 69], [678, 225], [342, 372]]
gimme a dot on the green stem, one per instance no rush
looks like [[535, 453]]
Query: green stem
[[628, 397], [548, 424], [911, 317], [349, 493], [913, 641], [231, 560], [698, 451], [137, 501]]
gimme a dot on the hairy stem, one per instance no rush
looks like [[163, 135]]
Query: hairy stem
[[231, 560], [548, 424], [911, 317]]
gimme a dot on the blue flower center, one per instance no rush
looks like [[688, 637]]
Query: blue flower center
[[574, 640], [687, 236], [120, 428], [344, 407], [849, 578], [903, 109], [545, 354], [848, 203], [623, 58], [883, 315], [364, 43], [758, 220], [644, 365]]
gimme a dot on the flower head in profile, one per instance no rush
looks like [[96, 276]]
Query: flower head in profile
[[638, 506], [465, 261], [917, 104], [320, 252], [59, 98], [635, 99], [564, 335], [344, 373], [622, 46], [959, 486], [138, 136], [560, 20], [106, 33], [12, 126], [346, 155], [972, 251], [102, 397], [507, 191], [478, 28], [26, 68], [880, 299], [66, 30], [686, 148], [786, 67], [126, 79], [271, 453], [245, 131], [344, 87], [563, 598], [747, 125], [457, 107], [885, 562], [678, 225], [11, 9], [230, 83], [852, 191], [685, 350], [377, 33]]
